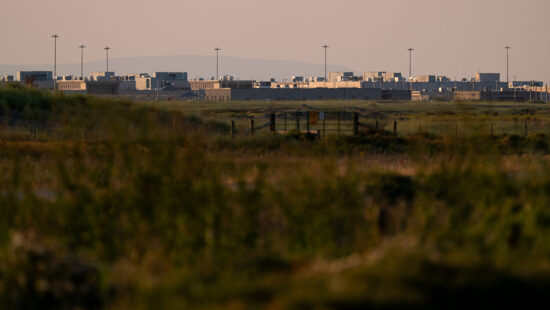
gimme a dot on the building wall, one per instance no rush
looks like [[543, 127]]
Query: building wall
[[197, 84], [103, 87], [395, 94], [71, 86], [445, 86], [345, 84], [169, 76], [22, 76], [99, 76], [510, 95], [292, 94], [487, 77], [223, 94], [339, 76], [467, 95], [425, 79]]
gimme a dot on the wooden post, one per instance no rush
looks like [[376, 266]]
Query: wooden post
[[355, 123], [298, 121], [456, 129], [307, 122], [395, 128], [318, 134], [232, 129], [251, 126], [272, 124], [338, 123]]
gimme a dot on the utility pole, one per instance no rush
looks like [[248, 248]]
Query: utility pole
[[107, 52], [217, 49], [82, 47], [507, 64], [55, 36], [325, 47], [410, 66]]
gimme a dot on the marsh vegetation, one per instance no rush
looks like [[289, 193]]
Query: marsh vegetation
[[109, 204]]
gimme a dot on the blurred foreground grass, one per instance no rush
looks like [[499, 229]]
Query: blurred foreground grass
[[119, 206]]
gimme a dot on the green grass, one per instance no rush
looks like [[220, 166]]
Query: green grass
[[122, 205]]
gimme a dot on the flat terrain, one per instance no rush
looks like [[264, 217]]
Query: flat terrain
[[107, 204], [442, 118]]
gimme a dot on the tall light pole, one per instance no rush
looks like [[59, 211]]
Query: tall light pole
[[55, 36], [508, 47], [82, 47], [410, 65], [217, 49], [326, 48], [107, 52]]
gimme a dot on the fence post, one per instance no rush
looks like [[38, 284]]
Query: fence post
[[355, 123], [395, 128], [338, 123], [232, 129], [298, 121], [272, 124], [456, 129], [251, 126], [307, 122]]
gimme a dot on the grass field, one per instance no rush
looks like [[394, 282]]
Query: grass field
[[443, 118], [108, 204]]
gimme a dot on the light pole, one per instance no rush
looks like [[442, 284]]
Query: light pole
[[508, 47], [55, 36], [326, 48], [217, 49], [82, 47], [107, 52], [410, 66]]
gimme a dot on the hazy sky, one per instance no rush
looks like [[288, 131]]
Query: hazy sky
[[454, 38]]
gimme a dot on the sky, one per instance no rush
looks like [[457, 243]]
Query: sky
[[454, 38]]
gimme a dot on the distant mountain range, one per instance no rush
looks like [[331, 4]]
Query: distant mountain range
[[196, 66]]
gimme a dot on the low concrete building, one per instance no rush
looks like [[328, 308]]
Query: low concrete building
[[171, 76], [103, 87], [237, 84], [340, 76], [24, 76], [341, 84], [38, 79], [487, 77], [508, 95], [396, 94], [293, 94], [291, 84], [382, 76], [71, 86], [204, 84], [101, 76], [432, 96], [425, 79]]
